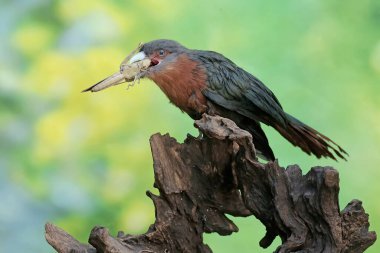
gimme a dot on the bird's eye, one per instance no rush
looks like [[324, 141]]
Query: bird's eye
[[161, 52]]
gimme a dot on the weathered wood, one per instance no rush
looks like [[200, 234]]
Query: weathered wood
[[203, 179], [63, 242]]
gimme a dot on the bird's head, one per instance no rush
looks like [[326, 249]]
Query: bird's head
[[161, 53], [162, 57]]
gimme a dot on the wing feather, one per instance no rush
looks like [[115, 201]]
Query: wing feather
[[235, 89]]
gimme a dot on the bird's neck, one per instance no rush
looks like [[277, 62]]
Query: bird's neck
[[182, 81]]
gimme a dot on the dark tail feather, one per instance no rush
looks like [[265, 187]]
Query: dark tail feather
[[310, 140]]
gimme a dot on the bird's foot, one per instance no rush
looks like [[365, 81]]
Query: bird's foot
[[200, 135]]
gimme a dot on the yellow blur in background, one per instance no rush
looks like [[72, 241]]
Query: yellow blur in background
[[80, 160]]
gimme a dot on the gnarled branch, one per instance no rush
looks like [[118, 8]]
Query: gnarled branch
[[202, 180]]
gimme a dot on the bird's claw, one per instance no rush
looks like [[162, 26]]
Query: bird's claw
[[200, 134]]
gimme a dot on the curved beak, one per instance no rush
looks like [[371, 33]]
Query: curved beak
[[130, 69], [115, 79]]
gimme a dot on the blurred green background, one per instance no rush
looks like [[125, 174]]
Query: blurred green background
[[81, 160]]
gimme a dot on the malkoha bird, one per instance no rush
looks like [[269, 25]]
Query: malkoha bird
[[198, 82]]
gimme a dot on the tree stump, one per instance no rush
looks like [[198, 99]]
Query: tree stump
[[203, 179]]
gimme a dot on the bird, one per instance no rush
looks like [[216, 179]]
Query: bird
[[201, 81]]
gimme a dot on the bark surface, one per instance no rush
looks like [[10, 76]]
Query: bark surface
[[203, 179]]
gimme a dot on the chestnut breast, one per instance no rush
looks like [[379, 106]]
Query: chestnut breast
[[183, 80]]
